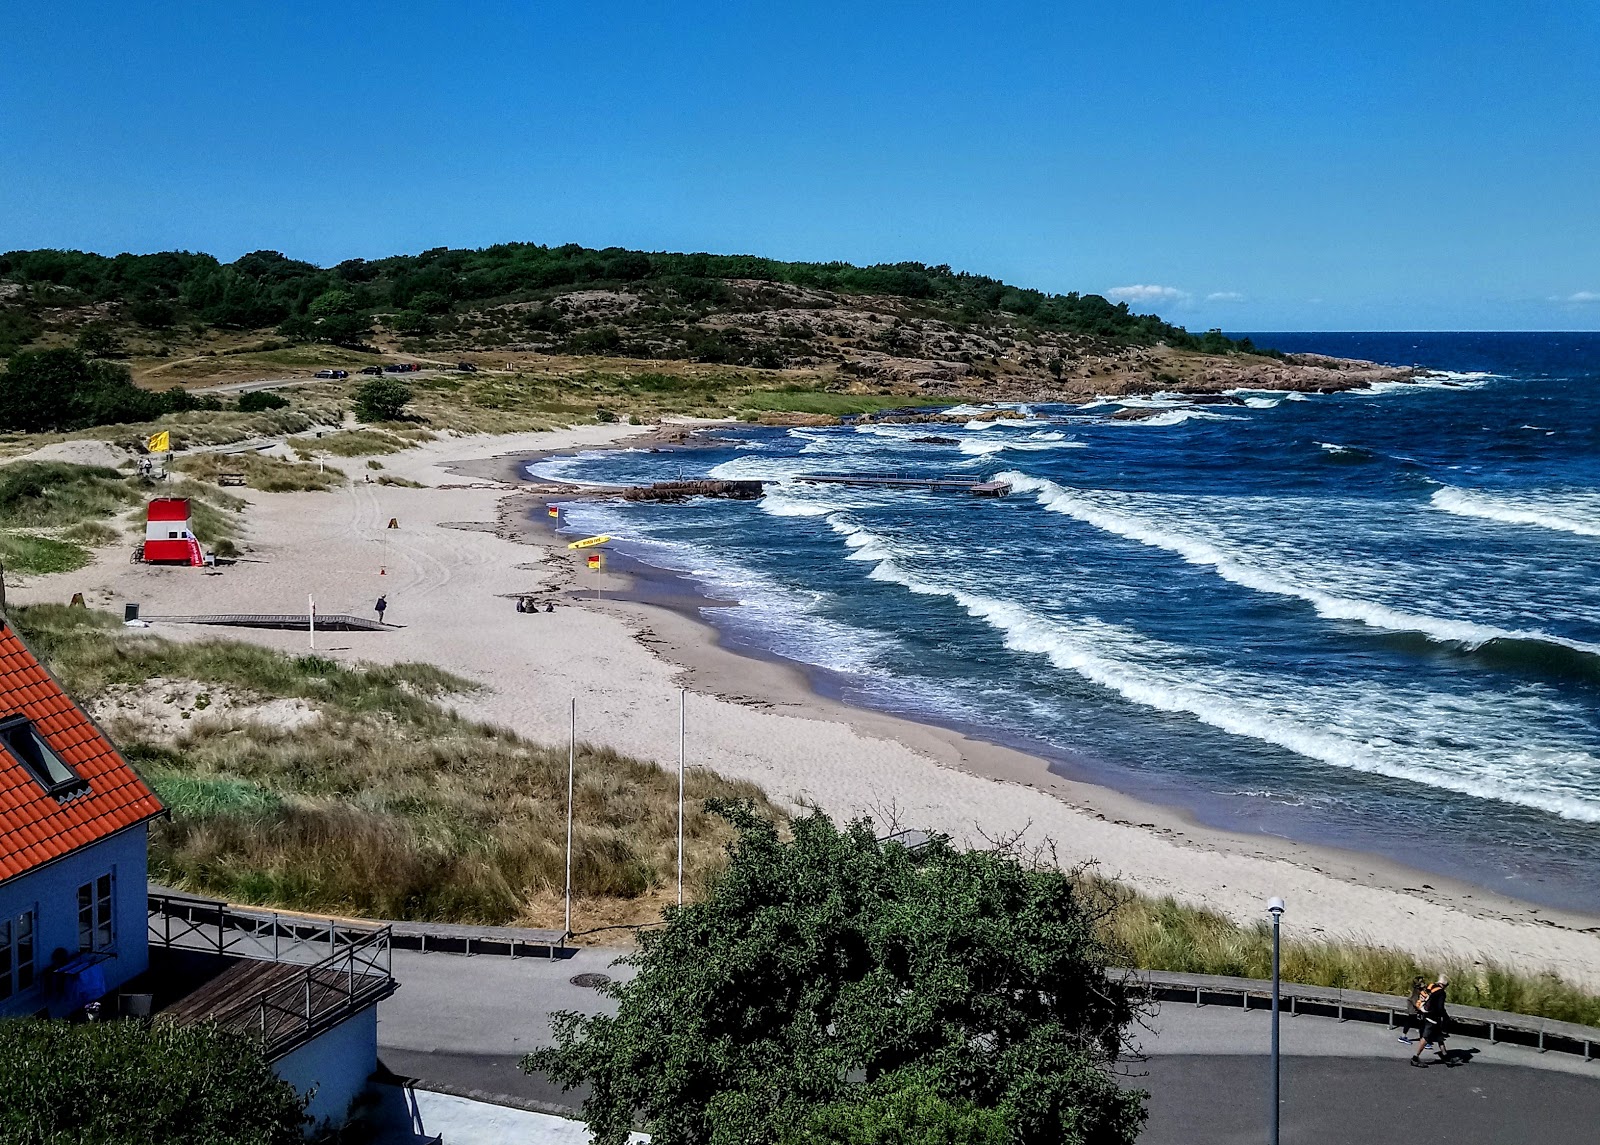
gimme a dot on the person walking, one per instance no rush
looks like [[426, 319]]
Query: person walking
[[1413, 1015], [1435, 1020], [381, 607]]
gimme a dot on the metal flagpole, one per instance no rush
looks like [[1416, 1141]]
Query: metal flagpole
[[572, 761], [1275, 908], [683, 723], [311, 620]]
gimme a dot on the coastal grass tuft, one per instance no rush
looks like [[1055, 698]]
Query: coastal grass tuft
[[1163, 934], [386, 803], [29, 553], [268, 474]]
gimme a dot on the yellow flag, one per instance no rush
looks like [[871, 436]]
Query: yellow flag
[[160, 442]]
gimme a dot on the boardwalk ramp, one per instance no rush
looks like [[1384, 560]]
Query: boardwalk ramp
[[333, 622]]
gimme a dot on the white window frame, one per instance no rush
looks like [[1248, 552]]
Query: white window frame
[[19, 954], [97, 913]]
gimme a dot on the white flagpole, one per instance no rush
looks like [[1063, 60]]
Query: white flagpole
[[311, 620], [683, 723], [572, 760]]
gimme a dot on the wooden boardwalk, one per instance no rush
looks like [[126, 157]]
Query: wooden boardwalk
[[977, 486], [334, 622]]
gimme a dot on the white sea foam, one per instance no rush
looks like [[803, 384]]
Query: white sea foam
[[1334, 447], [1179, 416], [1577, 513], [1197, 551], [1399, 737], [1255, 402]]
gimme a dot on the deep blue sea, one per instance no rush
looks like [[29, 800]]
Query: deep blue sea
[[1368, 619]]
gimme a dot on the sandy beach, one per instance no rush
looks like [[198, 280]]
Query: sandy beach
[[464, 549]]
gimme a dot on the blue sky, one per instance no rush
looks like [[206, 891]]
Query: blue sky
[[1251, 165]]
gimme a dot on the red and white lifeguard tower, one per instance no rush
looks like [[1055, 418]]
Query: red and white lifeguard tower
[[168, 536]]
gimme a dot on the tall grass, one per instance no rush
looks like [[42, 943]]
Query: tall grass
[[1162, 934], [388, 804], [29, 553], [268, 474]]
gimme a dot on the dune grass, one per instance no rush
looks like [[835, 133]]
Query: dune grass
[[390, 438], [1162, 934], [387, 804], [30, 553], [268, 474]]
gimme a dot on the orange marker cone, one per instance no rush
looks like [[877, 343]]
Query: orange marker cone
[[383, 572]]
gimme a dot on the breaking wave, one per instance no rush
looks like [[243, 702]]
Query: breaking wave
[[1570, 513], [1196, 551]]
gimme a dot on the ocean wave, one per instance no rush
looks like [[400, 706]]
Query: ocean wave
[[1468, 634], [1255, 402], [980, 424], [1570, 514], [1432, 380], [982, 448], [1180, 415], [1145, 672]]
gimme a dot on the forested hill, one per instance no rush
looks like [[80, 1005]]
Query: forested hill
[[424, 296]]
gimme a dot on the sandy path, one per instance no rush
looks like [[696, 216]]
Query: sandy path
[[449, 589]]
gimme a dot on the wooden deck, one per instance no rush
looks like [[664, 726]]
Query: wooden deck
[[334, 622]]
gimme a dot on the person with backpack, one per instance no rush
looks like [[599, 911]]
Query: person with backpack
[[1435, 1020], [1413, 1015]]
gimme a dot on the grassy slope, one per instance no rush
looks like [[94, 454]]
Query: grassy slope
[[388, 805], [53, 512]]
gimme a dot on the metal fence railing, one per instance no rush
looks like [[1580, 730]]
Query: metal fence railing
[[319, 971]]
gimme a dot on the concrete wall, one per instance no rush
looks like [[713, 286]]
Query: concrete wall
[[51, 892], [336, 1065]]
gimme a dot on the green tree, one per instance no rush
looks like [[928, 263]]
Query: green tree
[[332, 302], [57, 390], [382, 399], [413, 323], [828, 981], [117, 1083], [98, 340]]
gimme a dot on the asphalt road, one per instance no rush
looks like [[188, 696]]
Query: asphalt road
[[464, 1023]]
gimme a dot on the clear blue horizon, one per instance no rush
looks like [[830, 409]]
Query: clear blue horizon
[[1239, 164]]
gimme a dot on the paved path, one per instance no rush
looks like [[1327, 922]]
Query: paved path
[[464, 1023]]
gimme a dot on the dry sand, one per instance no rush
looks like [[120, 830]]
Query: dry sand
[[461, 554]]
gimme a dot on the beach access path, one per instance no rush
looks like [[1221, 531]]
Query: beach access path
[[462, 552], [463, 1023]]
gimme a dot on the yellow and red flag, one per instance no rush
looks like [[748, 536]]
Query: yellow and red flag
[[596, 562]]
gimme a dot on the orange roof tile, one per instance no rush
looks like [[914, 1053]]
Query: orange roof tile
[[34, 827]]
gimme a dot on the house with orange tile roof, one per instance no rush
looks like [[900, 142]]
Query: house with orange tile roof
[[74, 820], [81, 931]]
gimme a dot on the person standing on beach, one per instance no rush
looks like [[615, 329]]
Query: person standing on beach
[[381, 607], [1434, 1020]]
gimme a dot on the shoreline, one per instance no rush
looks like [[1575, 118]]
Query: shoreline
[[467, 548], [712, 665]]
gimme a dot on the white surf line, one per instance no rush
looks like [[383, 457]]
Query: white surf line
[[1024, 630], [1467, 633], [1464, 503]]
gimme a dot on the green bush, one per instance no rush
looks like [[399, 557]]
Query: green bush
[[259, 401], [382, 399], [128, 1083], [834, 982]]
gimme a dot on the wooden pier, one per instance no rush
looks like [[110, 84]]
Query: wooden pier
[[977, 486]]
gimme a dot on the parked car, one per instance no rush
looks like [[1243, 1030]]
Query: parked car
[[466, 367], [372, 369], [332, 374]]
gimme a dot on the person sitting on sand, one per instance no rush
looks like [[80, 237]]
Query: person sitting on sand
[[1435, 1020]]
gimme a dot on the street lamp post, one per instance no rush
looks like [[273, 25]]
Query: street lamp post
[[1275, 908]]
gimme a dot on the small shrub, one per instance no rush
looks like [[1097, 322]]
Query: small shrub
[[124, 1081], [382, 399], [259, 401]]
